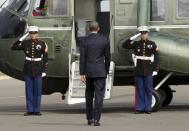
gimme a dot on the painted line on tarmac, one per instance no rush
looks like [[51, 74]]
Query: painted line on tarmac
[[16, 97], [123, 87]]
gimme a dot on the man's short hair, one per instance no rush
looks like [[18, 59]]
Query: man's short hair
[[93, 26]]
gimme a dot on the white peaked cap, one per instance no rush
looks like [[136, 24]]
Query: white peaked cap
[[143, 28], [33, 29]]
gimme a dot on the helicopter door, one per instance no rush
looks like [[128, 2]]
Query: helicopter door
[[76, 92]]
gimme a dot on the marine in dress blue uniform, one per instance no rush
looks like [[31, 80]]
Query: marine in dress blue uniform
[[35, 67], [146, 60], [94, 67]]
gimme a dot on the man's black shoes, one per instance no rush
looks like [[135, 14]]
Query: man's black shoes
[[139, 112], [93, 123], [28, 113], [96, 123], [37, 114], [90, 122], [148, 112], [32, 114], [143, 112]]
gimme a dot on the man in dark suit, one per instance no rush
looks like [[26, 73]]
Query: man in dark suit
[[94, 67]]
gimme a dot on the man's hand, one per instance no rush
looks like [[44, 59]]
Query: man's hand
[[135, 36], [83, 78], [154, 73], [44, 74], [24, 37]]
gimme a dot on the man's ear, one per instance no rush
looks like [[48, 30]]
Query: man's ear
[[98, 29]]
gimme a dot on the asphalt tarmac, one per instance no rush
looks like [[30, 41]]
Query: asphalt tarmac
[[117, 115]]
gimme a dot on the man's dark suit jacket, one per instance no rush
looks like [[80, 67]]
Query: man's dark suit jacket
[[94, 56]]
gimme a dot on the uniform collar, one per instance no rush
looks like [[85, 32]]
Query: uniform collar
[[94, 32], [34, 40], [144, 41]]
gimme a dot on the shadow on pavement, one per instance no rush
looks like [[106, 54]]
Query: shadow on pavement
[[78, 109]]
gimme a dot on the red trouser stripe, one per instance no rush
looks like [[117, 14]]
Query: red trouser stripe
[[135, 95]]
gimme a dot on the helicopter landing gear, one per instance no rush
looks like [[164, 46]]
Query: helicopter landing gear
[[162, 96]]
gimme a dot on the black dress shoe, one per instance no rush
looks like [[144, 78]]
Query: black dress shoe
[[96, 123], [28, 113], [37, 113], [148, 112], [139, 112], [90, 122]]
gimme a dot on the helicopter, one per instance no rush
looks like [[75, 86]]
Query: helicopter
[[63, 23]]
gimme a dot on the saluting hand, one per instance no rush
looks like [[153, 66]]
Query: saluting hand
[[24, 37]]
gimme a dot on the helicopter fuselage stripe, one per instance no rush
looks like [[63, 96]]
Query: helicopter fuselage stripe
[[55, 29], [153, 27]]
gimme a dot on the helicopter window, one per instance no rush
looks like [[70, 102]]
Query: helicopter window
[[50, 8], [157, 10], [183, 8], [19, 6], [40, 8]]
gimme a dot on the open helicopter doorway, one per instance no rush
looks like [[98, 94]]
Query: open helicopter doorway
[[86, 11], [90, 10]]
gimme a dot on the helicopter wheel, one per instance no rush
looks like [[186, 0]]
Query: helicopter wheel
[[156, 100], [168, 95]]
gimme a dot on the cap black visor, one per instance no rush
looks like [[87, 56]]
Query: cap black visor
[[33, 32], [144, 32]]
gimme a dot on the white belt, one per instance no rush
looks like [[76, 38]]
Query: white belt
[[135, 58], [145, 58], [33, 59]]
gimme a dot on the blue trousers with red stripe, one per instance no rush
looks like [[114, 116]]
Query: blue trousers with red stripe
[[33, 93], [143, 93]]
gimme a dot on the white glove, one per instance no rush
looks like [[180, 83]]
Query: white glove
[[24, 37], [134, 59], [154, 73], [135, 36], [44, 74]]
